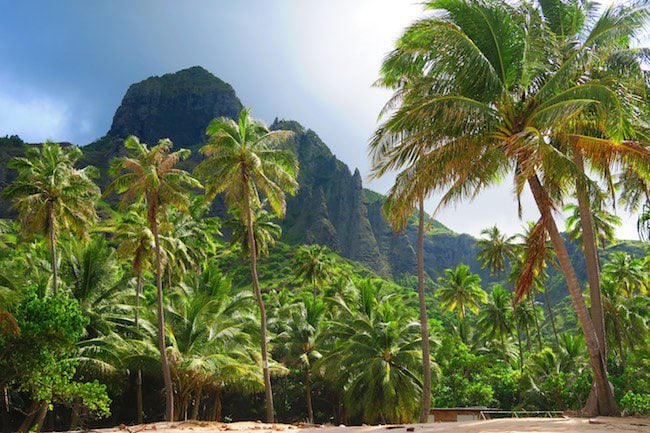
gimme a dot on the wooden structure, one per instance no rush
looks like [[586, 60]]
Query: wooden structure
[[452, 414]]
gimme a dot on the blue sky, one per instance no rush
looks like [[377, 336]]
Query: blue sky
[[66, 65]]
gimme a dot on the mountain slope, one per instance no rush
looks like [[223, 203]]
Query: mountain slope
[[331, 207]]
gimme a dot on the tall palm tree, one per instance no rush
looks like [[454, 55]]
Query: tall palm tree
[[134, 242], [266, 231], [244, 161], [461, 291], [482, 85], [408, 191], [496, 316], [312, 265], [151, 175], [52, 196], [643, 224], [300, 340], [495, 250]]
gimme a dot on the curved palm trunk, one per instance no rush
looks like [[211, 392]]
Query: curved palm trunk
[[138, 377], [424, 323], [55, 270], [167, 377], [260, 302], [593, 268], [310, 408], [606, 402]]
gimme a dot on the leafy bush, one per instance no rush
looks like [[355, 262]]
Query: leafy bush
[[636, 404]]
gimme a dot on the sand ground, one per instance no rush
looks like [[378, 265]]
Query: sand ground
[[520, 425]]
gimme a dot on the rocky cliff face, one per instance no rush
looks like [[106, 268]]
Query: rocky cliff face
[[177, 106], [331, 208]]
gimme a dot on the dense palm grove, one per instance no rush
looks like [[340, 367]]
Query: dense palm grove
[[134, 304]]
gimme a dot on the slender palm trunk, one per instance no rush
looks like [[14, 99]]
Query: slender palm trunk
[[167, 377], [310, 408], [591, 256], [593, 268], [531, 297], [606, 402], [55, 270], [216, 407], [424, 323], [551, 316], [197, 403], [521, 350], [138, 377], [260, 302]]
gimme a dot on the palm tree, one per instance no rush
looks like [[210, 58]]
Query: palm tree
[[210, 347], [486, 88], [266, 231], [313, 265], [151, 175], [604, 223], [643, 224], [375, 356], [627, 273], [495, 250], [626, 318], [405, 193], [461, 291], [300, 340], [52, 196], [135, 241], [243, 160], [496, 316]]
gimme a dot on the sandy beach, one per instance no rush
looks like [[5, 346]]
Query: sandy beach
[[539, 425]]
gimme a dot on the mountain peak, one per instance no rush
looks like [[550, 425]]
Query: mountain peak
[[177, 106]]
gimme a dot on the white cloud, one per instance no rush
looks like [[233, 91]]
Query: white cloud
[[34, 118]]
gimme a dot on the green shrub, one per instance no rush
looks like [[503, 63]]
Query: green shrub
[[636, 404]]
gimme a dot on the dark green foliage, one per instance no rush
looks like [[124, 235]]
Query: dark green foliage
[[39, 358]]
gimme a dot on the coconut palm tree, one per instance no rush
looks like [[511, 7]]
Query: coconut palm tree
[[300, 340], [495, 250], [496, 316], [461, 291], [151, 175], [244, 162], [604, 223], [481, 84], [643, 224], [266, 231], [312, 265], [376, 356], [210, 347], [626, 318], [408, 191], [627, 273], [52, 196]]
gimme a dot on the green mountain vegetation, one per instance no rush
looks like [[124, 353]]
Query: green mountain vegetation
[[195, 263]]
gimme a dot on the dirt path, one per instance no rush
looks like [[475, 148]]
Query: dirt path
[[521, 425]]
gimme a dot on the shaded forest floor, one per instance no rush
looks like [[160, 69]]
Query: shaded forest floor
[[510, 425]]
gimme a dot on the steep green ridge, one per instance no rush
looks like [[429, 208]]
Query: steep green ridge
[[332, 207]]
